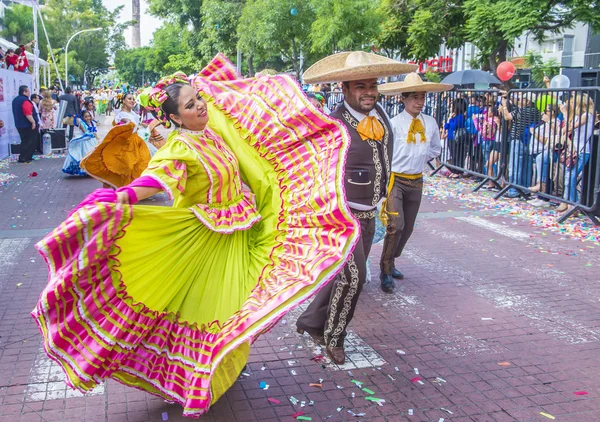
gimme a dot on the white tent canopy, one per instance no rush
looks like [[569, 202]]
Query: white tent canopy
[[5, 44]]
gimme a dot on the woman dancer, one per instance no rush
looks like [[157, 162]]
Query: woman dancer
[[86, 140], [123, 154], [169, 300]]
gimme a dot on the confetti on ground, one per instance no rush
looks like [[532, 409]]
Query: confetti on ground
[[357, 415], [580, 393], [19, 284], [416, 370], [6, 178], [274, 401], [503, 363], [304, 418], [295, 415], [410, 412], [415, 379], [442, 188], [357, 383], [165, 416], [547, 415], [400, 352], [294, 401], [316, 385], [366, 390], [487, 319], [446, 410]]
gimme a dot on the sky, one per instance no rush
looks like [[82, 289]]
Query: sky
[[148, 23]]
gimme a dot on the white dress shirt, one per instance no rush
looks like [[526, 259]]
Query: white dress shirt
[[412, 158], [359, 116]]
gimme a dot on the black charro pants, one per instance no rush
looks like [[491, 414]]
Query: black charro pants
[[333, 307]]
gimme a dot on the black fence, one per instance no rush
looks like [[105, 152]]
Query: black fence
[[539, 144]]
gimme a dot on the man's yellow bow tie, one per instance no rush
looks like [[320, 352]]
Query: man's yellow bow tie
[[416, 126], [370, 128]]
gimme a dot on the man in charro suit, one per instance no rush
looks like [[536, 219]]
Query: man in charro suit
[[366, 179]]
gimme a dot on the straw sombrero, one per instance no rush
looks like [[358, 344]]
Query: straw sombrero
[[354, 66], [412, 83]]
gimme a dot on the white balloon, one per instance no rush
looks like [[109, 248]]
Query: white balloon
[[560, 82]]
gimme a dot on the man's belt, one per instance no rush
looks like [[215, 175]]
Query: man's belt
[[385, 214]]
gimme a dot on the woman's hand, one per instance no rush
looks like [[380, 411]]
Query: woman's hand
[[122, 199]]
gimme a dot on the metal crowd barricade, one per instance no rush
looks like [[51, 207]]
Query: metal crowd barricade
[[535, 141], [551, 147], [471, 133]]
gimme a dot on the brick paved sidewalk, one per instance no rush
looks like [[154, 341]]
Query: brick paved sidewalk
[[495, 321]]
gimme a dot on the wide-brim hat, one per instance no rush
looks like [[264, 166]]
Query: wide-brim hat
[[412, 83], [353, 66]]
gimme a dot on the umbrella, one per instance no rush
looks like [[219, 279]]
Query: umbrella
[[468, 77]]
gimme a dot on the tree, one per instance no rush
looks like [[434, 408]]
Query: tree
[[344, 24], [276, 27], [93, 50], [168, 40], [135, 66], [540, 68], [491, 25], [417, 28], [182, 12], [433, 76], [219, 27], [18, 24]]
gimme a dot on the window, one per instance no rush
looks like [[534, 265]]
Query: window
[[560, 44]]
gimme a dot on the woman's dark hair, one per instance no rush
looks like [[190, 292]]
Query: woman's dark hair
[[171, 104], [18, 51], [84, 112], [10, 50], [553, 108], [87, 103], [460, 106], [22, 89], [35, 97]]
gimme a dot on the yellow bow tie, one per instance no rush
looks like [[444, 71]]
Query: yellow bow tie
[[370, 128], [416, 126]]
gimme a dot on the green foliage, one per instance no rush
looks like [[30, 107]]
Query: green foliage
[[135, 65], [168, 40], [183, 62], [433, 76], [268, 27], [540, 68], [182, 12], [219, 27], [344, 24], [18, 24], [417, 28], [89, 53]]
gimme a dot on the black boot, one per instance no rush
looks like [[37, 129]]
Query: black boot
[[387, 283], [397, 274]]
